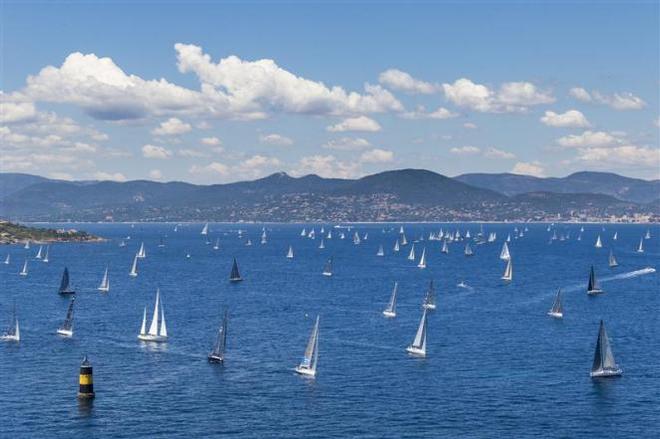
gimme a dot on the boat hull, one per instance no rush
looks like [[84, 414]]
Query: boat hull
[[327, 274], [595, 292], [9, 338], [556, 315], [103, 289], [305, 371], [606, 373], [152, 338], [215, 359], [236, 280], [65, 333], [416, 352], [389, 314], [66, 293], [428, 306]]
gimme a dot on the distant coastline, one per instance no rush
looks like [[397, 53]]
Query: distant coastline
[[12, 233]]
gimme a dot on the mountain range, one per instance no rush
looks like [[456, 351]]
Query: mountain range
[[399, 195]]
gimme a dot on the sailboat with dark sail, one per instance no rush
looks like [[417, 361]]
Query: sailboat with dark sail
[[217, 355], [235, 275], [556, 311], [592, 287], [604, 364], [65, 287], [327, 268], [429, 299], [66, 330], [13, 331], [310, 359]]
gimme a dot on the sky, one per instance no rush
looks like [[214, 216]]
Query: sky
[[214, 92]]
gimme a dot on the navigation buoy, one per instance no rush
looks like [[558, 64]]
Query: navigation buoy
[[86, 390]]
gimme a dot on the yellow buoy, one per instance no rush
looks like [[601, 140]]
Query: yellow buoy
[[86, 390]]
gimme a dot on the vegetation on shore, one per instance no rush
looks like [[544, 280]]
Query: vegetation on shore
[[11, 233]]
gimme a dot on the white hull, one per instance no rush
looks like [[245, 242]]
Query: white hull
[[305, 371], [389, 314], [22, 274], [605, 373], [556, 315], [132, 274], [327, 274], [416, 352], [215, 359], [65, 332], [152, 338], [594, 292], [9, 338], [103, 289], [428, 306]]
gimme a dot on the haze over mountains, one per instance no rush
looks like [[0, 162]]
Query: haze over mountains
[[401, 195]]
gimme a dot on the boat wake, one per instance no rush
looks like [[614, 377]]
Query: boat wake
[[630, 274]]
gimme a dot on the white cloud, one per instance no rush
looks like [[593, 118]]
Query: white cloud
[[402, 81], [465, 150], [656, 122], [156, 174], [589, 139], [625, 155], [325, 166], [420, 113], [172, 127], [526, 168], [360, 123], [495, 153], [61, 176], [155, 152], [12, 110], [470, 126], [275, 139], [511, 96], [347, 144], [214, 168], [569, 119], [105, 176], [191, 153], [377, 155], [256, 166], [211, 141], [618, 101]]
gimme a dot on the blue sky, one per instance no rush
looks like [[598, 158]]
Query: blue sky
[[215, 91]]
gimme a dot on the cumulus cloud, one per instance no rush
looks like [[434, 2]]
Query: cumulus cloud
[[360, 123], [109, 176], [191, 153], [529, 168], [326, 166], [347, 144], [211, 141], [495, 153], [156, 152], [589, 139], [625, 155], [569, 119], [377, 155], [13, 110], [465, 150], [402, 81], [172, 127], [156, 174], [618, 101], [421, 113], [214, 168], [275, 139], [510, 97], [470, 126]]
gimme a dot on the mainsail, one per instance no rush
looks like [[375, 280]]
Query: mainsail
[[429, 299], [134, 272], [67, 326], [468, 249], [593, 287], [390, 311], [598, 244], [235, 276], [411, 255], [604, 364], [24, 271], [327, 269], [640, 248], [64, 284], [422, 260], [105, 282], [612, 260], [418, 346], [218, 352], [381, 251], [290, 253], [556, 310], [508, 271], [504, 254], [310, 358]]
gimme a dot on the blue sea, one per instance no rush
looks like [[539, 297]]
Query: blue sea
[[496, 365]]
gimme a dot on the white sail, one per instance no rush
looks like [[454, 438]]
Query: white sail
[[7, 259], [504, 254], [24, 271], [556, 310], [105, 282], [290, 253], [404, 241], [134, 271], [27, 245], [153, 328], [381, 251], [390, 311], [143, 328], [322, 245], [508, 237], [418, 346], [303, 232], [142, 253], [263, 237], [329, 234], [401, 230], [396, 246], [422, 260], [216, 246], [640, 248], [648, 234], [39, 256], [615, 237], [163, 326], [508, 272], [598, 244], [45, 259], [310, 358], [612, 260], [411, 255], [205, 229], [356, 238], [445, 247]]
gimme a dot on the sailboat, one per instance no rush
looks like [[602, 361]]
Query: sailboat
[[612, 260], [396, 246], [205, 229], [27, 245], [429, 299], [142, 253], [445, 247], [122, 243], [411, 255], [467, 234], [290, 253], [312, 234], [504, 254], [24, 271], [105, 282], [418, 346], [322, 245], [366, 236], [598, 244], [640, 248], [310, 359], [604, 364], [327, 269], [45, 259], [508, 271], [401, 230], [134, 272], [648, 234], [390, 311], [235, 276], [161, 243], [468, 250], [329, 234], [303, 232], [263, 237], [422, 260], [616, 236], [176, 228], [154, 333], [593, 288], [356, 238], [381, 251], [7, 259], [556, 310], [66, 330], [217, 355], [13, 331], [508, 237], [39, 255], [65, 288], [216, 246], [249, 242], [404, 241]]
